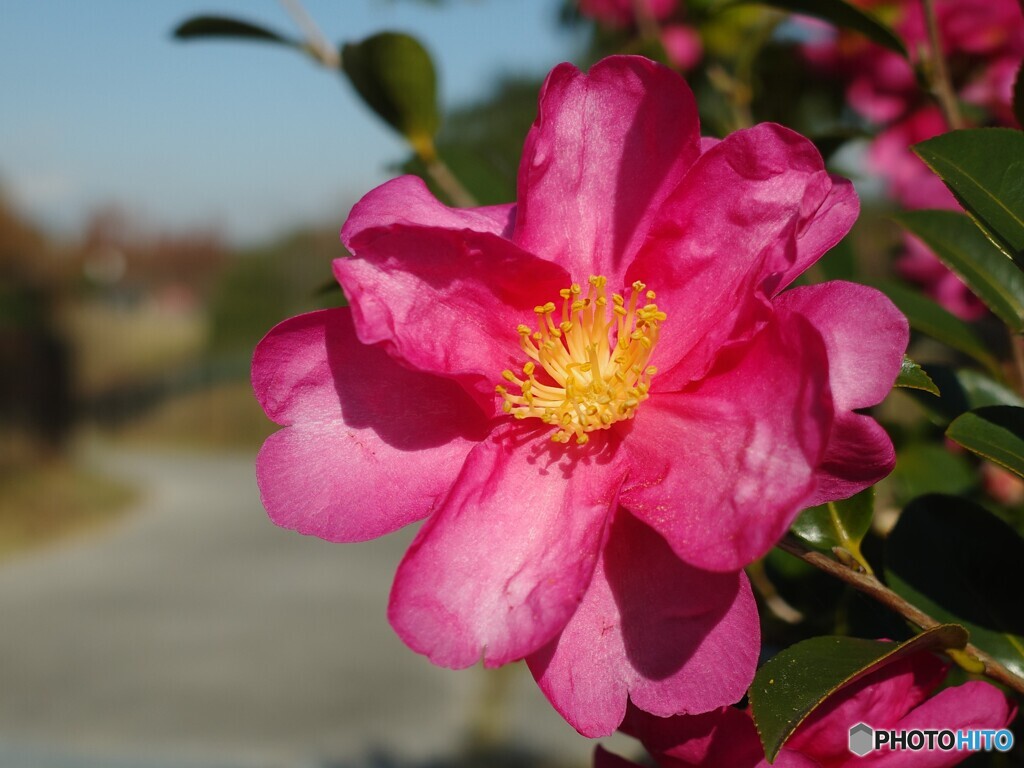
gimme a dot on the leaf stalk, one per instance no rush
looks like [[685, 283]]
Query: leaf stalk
[[869, 585]]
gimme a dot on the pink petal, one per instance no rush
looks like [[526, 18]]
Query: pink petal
[[350, 405], [879, 699], [975, 704], [825, 229], [724, 736], [600, 160], [744, 220], [653, 630], [864, 333], [859, 454], [441, 297], [406, 202], [501, 567], [865, 336], [721, 469]]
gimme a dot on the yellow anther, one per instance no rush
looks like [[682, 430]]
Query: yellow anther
[[588, 369]]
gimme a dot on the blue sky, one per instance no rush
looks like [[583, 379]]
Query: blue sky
[[99, 105]]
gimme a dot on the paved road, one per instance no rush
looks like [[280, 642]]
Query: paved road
[[195, 633]]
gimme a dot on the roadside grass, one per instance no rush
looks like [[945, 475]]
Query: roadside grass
[[224, 416], [44, 502]]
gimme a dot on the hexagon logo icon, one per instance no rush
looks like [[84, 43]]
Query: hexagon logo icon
[[861, 739]]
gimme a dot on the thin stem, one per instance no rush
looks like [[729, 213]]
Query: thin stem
[[872, 587], [773, 601], [1017, 346], [645, 21], [316, 41], [941, 83], [445, 179], [327, 54]]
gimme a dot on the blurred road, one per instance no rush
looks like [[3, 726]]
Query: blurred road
[[196, 633]]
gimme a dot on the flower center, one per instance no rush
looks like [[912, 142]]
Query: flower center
[[595, 360]]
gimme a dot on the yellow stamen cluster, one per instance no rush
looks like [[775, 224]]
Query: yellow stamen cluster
[[595, 360]]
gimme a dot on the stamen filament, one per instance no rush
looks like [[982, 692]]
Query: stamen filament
[[595, 360]]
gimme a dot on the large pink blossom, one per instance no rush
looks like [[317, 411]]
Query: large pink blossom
[[600, 398], [893, 697]]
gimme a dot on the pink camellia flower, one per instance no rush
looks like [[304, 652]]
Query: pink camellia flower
[[893, 697], [983, 41], [600, 398], [913, 184], [682, 45]]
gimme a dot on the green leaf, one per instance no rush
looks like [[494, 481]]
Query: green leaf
[[1018, 95], [838, 523], [794, 683], [995, 433], [928, 317], [928, 467], [958, 562], [223, 26], [963, 248], [841, 14], [984, 168], [962, 390], [913, 376], [395, 76]]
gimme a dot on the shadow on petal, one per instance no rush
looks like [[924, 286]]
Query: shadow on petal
[[658, 628], [409, 410]]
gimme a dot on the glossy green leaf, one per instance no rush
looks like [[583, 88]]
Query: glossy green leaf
[[841, 14], [984, 168], [224, 27], [963, 248], [929, 467], [960, 563], [962, 390], [794, 683], [395, 76], [841, 523], [928, 317], [995, 433], [913, 376]]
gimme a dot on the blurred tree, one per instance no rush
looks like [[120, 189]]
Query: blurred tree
[[35, 385]]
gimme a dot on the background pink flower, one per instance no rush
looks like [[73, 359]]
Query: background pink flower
[[622, 13], [983, 42], [681, 43], [664, 409], [895, 696]]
